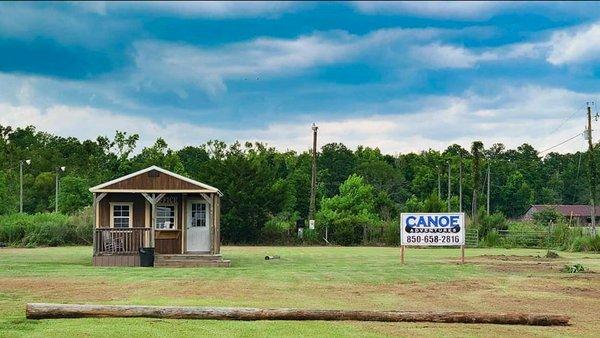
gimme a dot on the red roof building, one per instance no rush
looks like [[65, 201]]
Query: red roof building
[[577, 214]]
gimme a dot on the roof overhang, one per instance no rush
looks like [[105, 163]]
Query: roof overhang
[[202, 187]]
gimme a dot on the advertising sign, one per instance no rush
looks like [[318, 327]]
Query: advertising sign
[[431, 229]]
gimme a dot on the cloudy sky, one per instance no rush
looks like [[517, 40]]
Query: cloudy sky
[[398, 76]]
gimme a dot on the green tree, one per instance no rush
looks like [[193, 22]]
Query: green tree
[[351, 213], [335, 164], [518, 195], [73, 195]]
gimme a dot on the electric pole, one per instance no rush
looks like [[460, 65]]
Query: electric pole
[[592, 169], [439, 182], [21, 183], [449, 186], [313, 183], [488, 189], [58, 170], [460, 185]]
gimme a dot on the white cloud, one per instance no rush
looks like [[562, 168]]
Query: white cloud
[[29, 21], [211, 9], [573, 46], [168, 64], [210, 68], [473, 10], [513, 115]]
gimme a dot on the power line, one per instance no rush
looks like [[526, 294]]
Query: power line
[[566, 120], [561, 143]]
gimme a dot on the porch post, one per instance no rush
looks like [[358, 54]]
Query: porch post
[[95, 206], [153, 200], [153, 223]]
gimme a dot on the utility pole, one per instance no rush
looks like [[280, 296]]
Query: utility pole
[[21, 184], [488, 189], [460, 198], [439, 182], [313, 183], [592, 169], [449, 187], [58, 170]]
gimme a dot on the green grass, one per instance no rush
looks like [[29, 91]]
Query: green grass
[[304, 277]]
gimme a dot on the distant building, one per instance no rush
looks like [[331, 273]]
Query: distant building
[[576, 215]]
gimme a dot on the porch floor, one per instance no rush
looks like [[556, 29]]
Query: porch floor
[[190, 260]]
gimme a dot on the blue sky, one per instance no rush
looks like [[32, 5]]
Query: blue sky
[[398, 76]]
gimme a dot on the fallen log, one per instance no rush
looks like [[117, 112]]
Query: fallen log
[[48, 311]]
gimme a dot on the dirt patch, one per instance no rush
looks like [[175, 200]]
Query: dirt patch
[[516, 258], [64, 289], [514, 263]]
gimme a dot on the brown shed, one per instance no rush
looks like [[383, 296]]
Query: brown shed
[[155, 208]]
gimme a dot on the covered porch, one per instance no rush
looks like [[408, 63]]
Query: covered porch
[[172, 218]]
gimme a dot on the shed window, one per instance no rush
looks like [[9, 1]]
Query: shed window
[[166, 216], [121, 215]]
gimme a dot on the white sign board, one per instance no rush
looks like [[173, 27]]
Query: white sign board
[[442, 229], [311, 224]]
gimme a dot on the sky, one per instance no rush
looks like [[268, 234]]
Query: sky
[[400, 76]]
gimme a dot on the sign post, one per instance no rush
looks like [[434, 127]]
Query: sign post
[[402, 254], [432, 229]]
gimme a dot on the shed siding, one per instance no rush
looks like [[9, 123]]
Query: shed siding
[[153, 180], [139, 208]]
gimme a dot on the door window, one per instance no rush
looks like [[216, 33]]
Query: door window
[[198, 215]]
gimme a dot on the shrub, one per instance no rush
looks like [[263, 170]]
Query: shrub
[[278, 229], [548, 216], [46, 229], [391, 233], [586, 243], [492, 239], [489, 222], [82, 224], [525, 235], [575, 268]]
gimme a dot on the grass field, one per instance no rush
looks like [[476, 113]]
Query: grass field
[[493, 280]]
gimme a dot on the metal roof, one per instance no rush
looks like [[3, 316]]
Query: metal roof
[[575, 210]]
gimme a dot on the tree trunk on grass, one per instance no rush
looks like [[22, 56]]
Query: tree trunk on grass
[[47, 311]]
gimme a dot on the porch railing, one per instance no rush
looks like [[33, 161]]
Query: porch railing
[[125, 241]]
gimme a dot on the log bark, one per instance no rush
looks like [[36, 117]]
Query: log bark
[[48, 311]]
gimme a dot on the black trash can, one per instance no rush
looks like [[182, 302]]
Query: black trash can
[[146, 256]]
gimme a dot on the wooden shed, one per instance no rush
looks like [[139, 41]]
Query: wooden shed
[[155, 208]]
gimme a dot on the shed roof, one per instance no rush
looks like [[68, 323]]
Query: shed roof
[[568, 210], [135, 182]]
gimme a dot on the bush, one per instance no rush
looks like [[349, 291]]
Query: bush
[[548, 216], [575, 268], [586, 243], [492, 239], [46, 229], [525, 235], [488, 223], [279, 229], [82, 224], [391, 233]]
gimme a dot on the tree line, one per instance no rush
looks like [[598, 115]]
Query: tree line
[[360, 193]]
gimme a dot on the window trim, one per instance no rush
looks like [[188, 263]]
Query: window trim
[[174, 204], [112, 213]]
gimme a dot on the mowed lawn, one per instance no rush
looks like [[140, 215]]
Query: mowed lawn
[[492, 280]]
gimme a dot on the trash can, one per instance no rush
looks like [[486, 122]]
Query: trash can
[[146, 256]]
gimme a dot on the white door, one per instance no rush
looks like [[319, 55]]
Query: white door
[[198, 226]]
